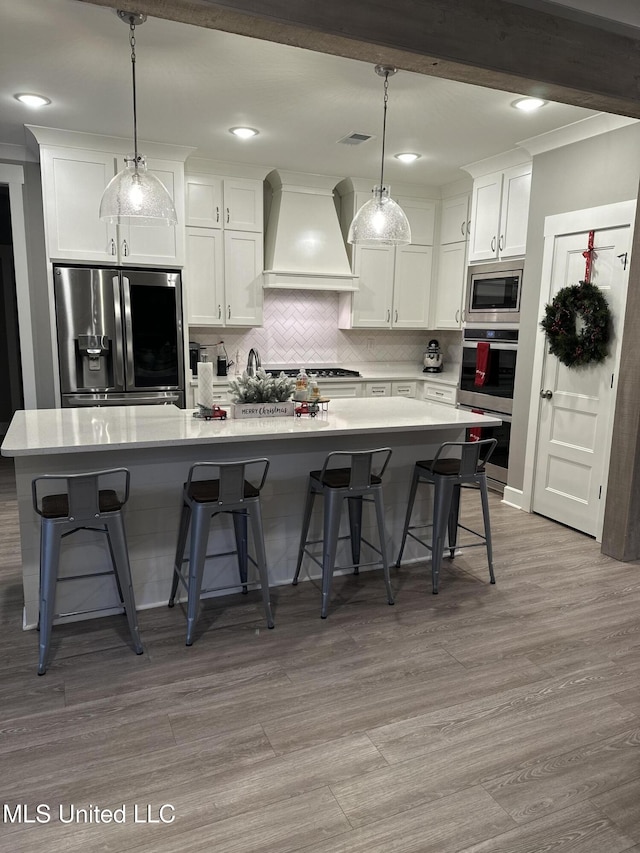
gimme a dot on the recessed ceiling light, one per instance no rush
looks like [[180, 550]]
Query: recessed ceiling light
[[32, 100], [408, 157], [244, 132], [528, 105]]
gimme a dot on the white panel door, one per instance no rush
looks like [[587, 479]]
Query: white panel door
[[516, 191], [204, 277], [452, 270], [485, 217], [243, 209], [412, 287], [372, 301], [243, 278], [574, 430], [157, 244]]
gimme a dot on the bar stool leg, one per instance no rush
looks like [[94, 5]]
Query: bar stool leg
[[441, 506], [240, 527], [331, 523], [49, 557], [355, 529], [183, 530], [122, 569], [412, 496], [484, 496], [377, 498], [261, 559], [200, 522], [454, 517], [306, 521]]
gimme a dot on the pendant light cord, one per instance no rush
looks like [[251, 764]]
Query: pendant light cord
[[132, 42], [384, 129]]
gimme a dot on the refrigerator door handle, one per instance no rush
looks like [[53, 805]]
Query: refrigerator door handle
[[118, 345], [128, 332]]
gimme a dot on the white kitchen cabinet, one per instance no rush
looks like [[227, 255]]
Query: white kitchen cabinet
[[333, 390], [499, 214], [377, 389], [403, 389], [440, 393], [233, 203], [223, 277], [73, 181], [454, 219], [421, 213], [450, 286], [394, 288]]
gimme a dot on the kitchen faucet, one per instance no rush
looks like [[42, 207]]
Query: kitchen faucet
[[253, 362]]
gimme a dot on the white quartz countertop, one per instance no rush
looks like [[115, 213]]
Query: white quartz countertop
[[49, 431], [390, 371]]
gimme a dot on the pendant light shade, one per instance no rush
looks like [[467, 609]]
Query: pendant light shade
[[381, 221], [135, 194]]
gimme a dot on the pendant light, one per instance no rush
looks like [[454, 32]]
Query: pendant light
[[135, 193], [380, 221]]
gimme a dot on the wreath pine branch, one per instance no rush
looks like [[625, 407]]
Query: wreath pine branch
[[572, 347]]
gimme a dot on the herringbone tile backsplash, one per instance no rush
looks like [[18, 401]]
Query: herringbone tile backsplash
[[301, 327]]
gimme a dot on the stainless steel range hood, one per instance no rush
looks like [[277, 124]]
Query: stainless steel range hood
[[304, 247]]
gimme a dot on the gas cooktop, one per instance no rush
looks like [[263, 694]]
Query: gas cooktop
[[320, 372]]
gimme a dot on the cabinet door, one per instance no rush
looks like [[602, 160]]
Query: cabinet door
[[243, 210], [421, 214], [516, 190], [454, 223], [72, 185], [485, 217], [450, 287], [445, 394], [203, 201], [157, 244], [403, 389], [204, 277], [412, 287], [371, 307], [243, 278]]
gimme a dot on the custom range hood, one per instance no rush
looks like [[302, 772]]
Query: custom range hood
[[304, 247]]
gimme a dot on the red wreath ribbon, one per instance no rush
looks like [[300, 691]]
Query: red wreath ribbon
[[589, 257]]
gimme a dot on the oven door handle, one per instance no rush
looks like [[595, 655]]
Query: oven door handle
[[500, 346], [482, 411]]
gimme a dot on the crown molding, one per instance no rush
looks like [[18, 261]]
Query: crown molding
[[576, 132]]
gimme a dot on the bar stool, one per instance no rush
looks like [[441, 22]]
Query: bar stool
[[82, 506], [448, 475], [356, 482], [203, 499]]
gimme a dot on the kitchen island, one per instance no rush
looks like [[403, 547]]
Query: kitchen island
[[159, 443]]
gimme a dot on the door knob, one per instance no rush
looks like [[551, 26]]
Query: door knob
[[546, 395]]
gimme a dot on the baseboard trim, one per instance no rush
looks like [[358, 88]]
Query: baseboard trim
[[514, 497]]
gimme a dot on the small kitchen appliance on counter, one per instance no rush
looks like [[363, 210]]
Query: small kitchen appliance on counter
[[194, 357], [433, 361]]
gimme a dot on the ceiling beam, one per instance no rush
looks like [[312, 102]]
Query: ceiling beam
[[490, 43]]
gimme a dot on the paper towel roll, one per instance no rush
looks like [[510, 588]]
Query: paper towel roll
[[205, 384]]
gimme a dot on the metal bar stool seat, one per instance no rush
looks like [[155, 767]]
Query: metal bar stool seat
[[82, 506], [356, 483], [230, 492], [448, 475]]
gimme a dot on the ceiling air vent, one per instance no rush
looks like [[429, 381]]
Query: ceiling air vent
[[354, 138]]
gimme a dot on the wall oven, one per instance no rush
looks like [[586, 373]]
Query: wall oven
[[493, 294], [487, 379]]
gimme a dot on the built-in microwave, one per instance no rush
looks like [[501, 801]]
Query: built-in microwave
[[493, 294]]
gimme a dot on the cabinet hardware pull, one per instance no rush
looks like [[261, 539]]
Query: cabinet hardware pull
[[227, 216], [217, 214], [228, 312], [457, 315], [462, 224], [464, 315], [469, 226], [388, 315], [125, 248], [493, 244], [396, 319], [219, 312], [112, 246], [501, 242]]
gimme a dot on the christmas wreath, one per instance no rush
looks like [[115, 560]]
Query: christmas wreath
[[579, 302]]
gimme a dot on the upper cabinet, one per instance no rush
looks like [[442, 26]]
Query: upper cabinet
[[451, 263], [73, 180], [234, 203], [454, 219], [499, 214], [394, 283], [224, 251]]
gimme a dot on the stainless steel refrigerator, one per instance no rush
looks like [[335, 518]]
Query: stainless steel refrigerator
[[119, 336]]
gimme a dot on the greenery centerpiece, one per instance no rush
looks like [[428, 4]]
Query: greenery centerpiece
[[262, 395]]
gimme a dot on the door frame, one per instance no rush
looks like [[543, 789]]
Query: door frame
[[614, 215]]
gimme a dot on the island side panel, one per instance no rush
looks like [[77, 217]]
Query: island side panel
[[153, 511]]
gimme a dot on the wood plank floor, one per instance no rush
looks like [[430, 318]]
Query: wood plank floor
[[487, 719]]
